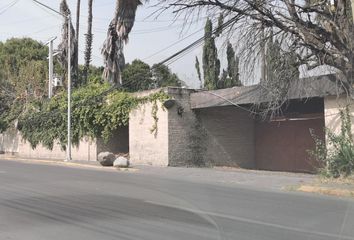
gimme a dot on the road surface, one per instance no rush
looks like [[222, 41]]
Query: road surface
[[48, 202]]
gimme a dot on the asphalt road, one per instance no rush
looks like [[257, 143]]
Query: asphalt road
[[46, 202]]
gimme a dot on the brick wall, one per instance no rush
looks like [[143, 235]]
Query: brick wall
[[185, 139], [230, 136], [222, 136]]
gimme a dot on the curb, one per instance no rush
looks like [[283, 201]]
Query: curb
[[69, 164], [326, 191]]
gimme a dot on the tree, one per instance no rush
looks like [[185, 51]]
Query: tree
[[89, 38], [232, 68], [24, 68], [163, 77], [197, 67], [78, 6], [23, 75], [319, 32], [211, 63], [64, 47], [137, 76], [117, 35]]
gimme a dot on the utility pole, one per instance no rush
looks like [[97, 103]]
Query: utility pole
[[51, 69], [68, 150]]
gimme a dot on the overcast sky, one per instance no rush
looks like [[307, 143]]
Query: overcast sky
[[149, 35]]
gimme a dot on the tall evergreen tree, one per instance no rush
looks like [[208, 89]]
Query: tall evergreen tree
[[211, 63], [232, 68], [197, 67], [280, 65]]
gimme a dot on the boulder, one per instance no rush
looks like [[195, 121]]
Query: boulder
[[121, 162], [106, 158]]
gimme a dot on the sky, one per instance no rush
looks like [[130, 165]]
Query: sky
[[148, 40], [153, 38]]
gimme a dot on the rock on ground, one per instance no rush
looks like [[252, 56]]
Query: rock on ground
[[121, 162], [106, 158]]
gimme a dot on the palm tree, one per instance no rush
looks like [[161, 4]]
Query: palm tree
[[117, 36], [78, 3], [63, 45], [88, 49]]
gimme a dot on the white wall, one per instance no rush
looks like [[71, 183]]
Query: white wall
[[332, 107], [12, 143], [148, 148]]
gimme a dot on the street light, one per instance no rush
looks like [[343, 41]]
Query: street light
[[68, 148], [50, 59]]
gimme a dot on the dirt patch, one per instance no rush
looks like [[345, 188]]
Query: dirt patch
[[327, 191], [341, 187]]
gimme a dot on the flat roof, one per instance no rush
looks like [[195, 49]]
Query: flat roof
[[303, 88]]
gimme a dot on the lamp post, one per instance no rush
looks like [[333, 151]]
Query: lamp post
[[50, 59], [68, 148], [68, 17]]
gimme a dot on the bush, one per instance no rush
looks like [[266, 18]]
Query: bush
[[338, 159]]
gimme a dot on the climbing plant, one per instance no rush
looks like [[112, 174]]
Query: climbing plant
[[337, 156], [94, 114]]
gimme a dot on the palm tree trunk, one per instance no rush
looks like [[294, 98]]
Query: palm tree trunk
[[89, 38], [78, 4]]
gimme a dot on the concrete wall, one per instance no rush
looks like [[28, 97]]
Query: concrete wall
[[12, 144], [9, 141], [332, 107], [145, 147], [229, 137]]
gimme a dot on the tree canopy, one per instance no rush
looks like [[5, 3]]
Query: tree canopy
[[138, 75], [318, 32]]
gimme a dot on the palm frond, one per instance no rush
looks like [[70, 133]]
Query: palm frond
[[117, 36], [63, 45]]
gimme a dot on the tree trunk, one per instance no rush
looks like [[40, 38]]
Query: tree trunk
[[78, 4], [88, 50]]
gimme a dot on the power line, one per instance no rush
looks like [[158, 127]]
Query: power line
[[200, 40], [50, 8], [173, 44], [8, 7]]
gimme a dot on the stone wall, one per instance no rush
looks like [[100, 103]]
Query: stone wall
[[145, 147]]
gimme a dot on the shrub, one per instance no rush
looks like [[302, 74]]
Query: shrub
[[337, 158]]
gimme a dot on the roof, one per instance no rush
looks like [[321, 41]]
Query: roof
[[303, 88]]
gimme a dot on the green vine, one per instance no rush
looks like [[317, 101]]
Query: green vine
[[94, 115]]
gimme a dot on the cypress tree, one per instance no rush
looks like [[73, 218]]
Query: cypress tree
[[232, 67], [197, 67], [211, 63]]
